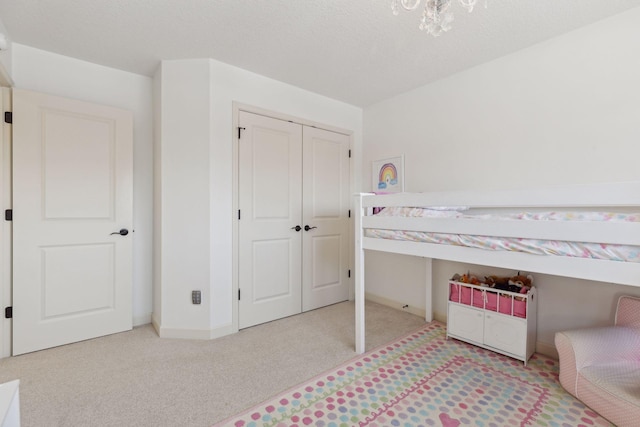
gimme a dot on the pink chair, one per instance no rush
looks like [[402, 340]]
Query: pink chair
[[601, 366]]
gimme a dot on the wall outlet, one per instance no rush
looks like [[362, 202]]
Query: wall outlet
[[196, 297]]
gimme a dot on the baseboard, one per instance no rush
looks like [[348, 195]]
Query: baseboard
[[141, 320], [547, 349], [193, 334], [440, 317], [155, 324], [394, 304]]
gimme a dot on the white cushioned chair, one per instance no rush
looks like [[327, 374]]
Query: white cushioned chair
[[601, 366]]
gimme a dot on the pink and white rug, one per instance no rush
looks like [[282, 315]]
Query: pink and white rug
[[425, 380]]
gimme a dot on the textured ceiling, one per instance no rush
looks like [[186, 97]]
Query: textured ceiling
[[351, 50]]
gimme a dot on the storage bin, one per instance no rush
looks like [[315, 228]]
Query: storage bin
[[459, 293], [478, 298], [513, 306], [504, 305], [454, 292], [520, 308], [492, 301]]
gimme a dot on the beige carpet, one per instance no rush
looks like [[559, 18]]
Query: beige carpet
[[137, 379]]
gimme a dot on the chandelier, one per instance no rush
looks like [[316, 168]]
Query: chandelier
[[436, 17]]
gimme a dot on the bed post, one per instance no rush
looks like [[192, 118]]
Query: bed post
[[359, 275], [428, 282]]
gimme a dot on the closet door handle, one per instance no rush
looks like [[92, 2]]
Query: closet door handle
[[307, 228], [297, 228], [122, 232]]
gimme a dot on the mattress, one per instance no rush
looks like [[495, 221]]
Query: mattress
[[609, 252]]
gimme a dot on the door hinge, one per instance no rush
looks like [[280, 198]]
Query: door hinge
[[238, 294], [349, 213], [8, 117], [8, 215], [349, 273], [238, 213], [8, 312], [240, 129], [349, 153]]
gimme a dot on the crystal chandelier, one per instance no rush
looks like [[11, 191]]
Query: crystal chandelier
[[436, 17]]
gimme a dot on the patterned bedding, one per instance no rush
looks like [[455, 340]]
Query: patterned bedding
[[532, 246]]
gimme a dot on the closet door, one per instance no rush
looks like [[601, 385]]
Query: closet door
[[270, 203], [325, 242]]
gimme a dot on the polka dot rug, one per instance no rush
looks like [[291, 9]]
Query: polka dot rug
[[424, 379]]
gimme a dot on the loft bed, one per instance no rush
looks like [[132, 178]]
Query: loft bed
[[599, 223]]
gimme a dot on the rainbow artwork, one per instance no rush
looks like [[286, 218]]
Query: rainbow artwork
[[388, 176]]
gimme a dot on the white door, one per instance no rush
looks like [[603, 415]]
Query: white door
[[72, 190], [294, 218], [270, 204], [325, 244]]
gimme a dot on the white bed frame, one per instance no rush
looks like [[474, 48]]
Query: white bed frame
[[608, 196]]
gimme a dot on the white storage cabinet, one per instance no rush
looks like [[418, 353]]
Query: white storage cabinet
[[501, 321]]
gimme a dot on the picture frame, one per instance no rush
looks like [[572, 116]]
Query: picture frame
[[387, 175]]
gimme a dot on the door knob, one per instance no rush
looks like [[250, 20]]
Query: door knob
[[307, 228], [122, 232], [297, 228]]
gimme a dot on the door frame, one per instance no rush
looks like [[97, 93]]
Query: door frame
[[235, 188], [6, 237]]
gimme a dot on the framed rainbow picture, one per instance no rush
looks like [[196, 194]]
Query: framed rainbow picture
[[387, 175]]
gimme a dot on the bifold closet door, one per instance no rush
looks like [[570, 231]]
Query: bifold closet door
[[270, 202], [325, 244], [294, 225]]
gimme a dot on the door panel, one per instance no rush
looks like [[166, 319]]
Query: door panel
[[72, 188], [466, 322], [272, 164], [270, 202], [506, 333], [326, 207], [65, 270], [326, 251], [65, 177], [271, 267]]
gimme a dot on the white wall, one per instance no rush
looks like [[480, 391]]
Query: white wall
[[182, 182], [55, 74], [6, 55], [563, 111], [204, 165]]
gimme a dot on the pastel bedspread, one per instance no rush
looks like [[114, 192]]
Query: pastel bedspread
[[603, 251]]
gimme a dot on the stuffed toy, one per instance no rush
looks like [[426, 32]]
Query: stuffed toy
[[521, 281], [468, 278], [518, 283]]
